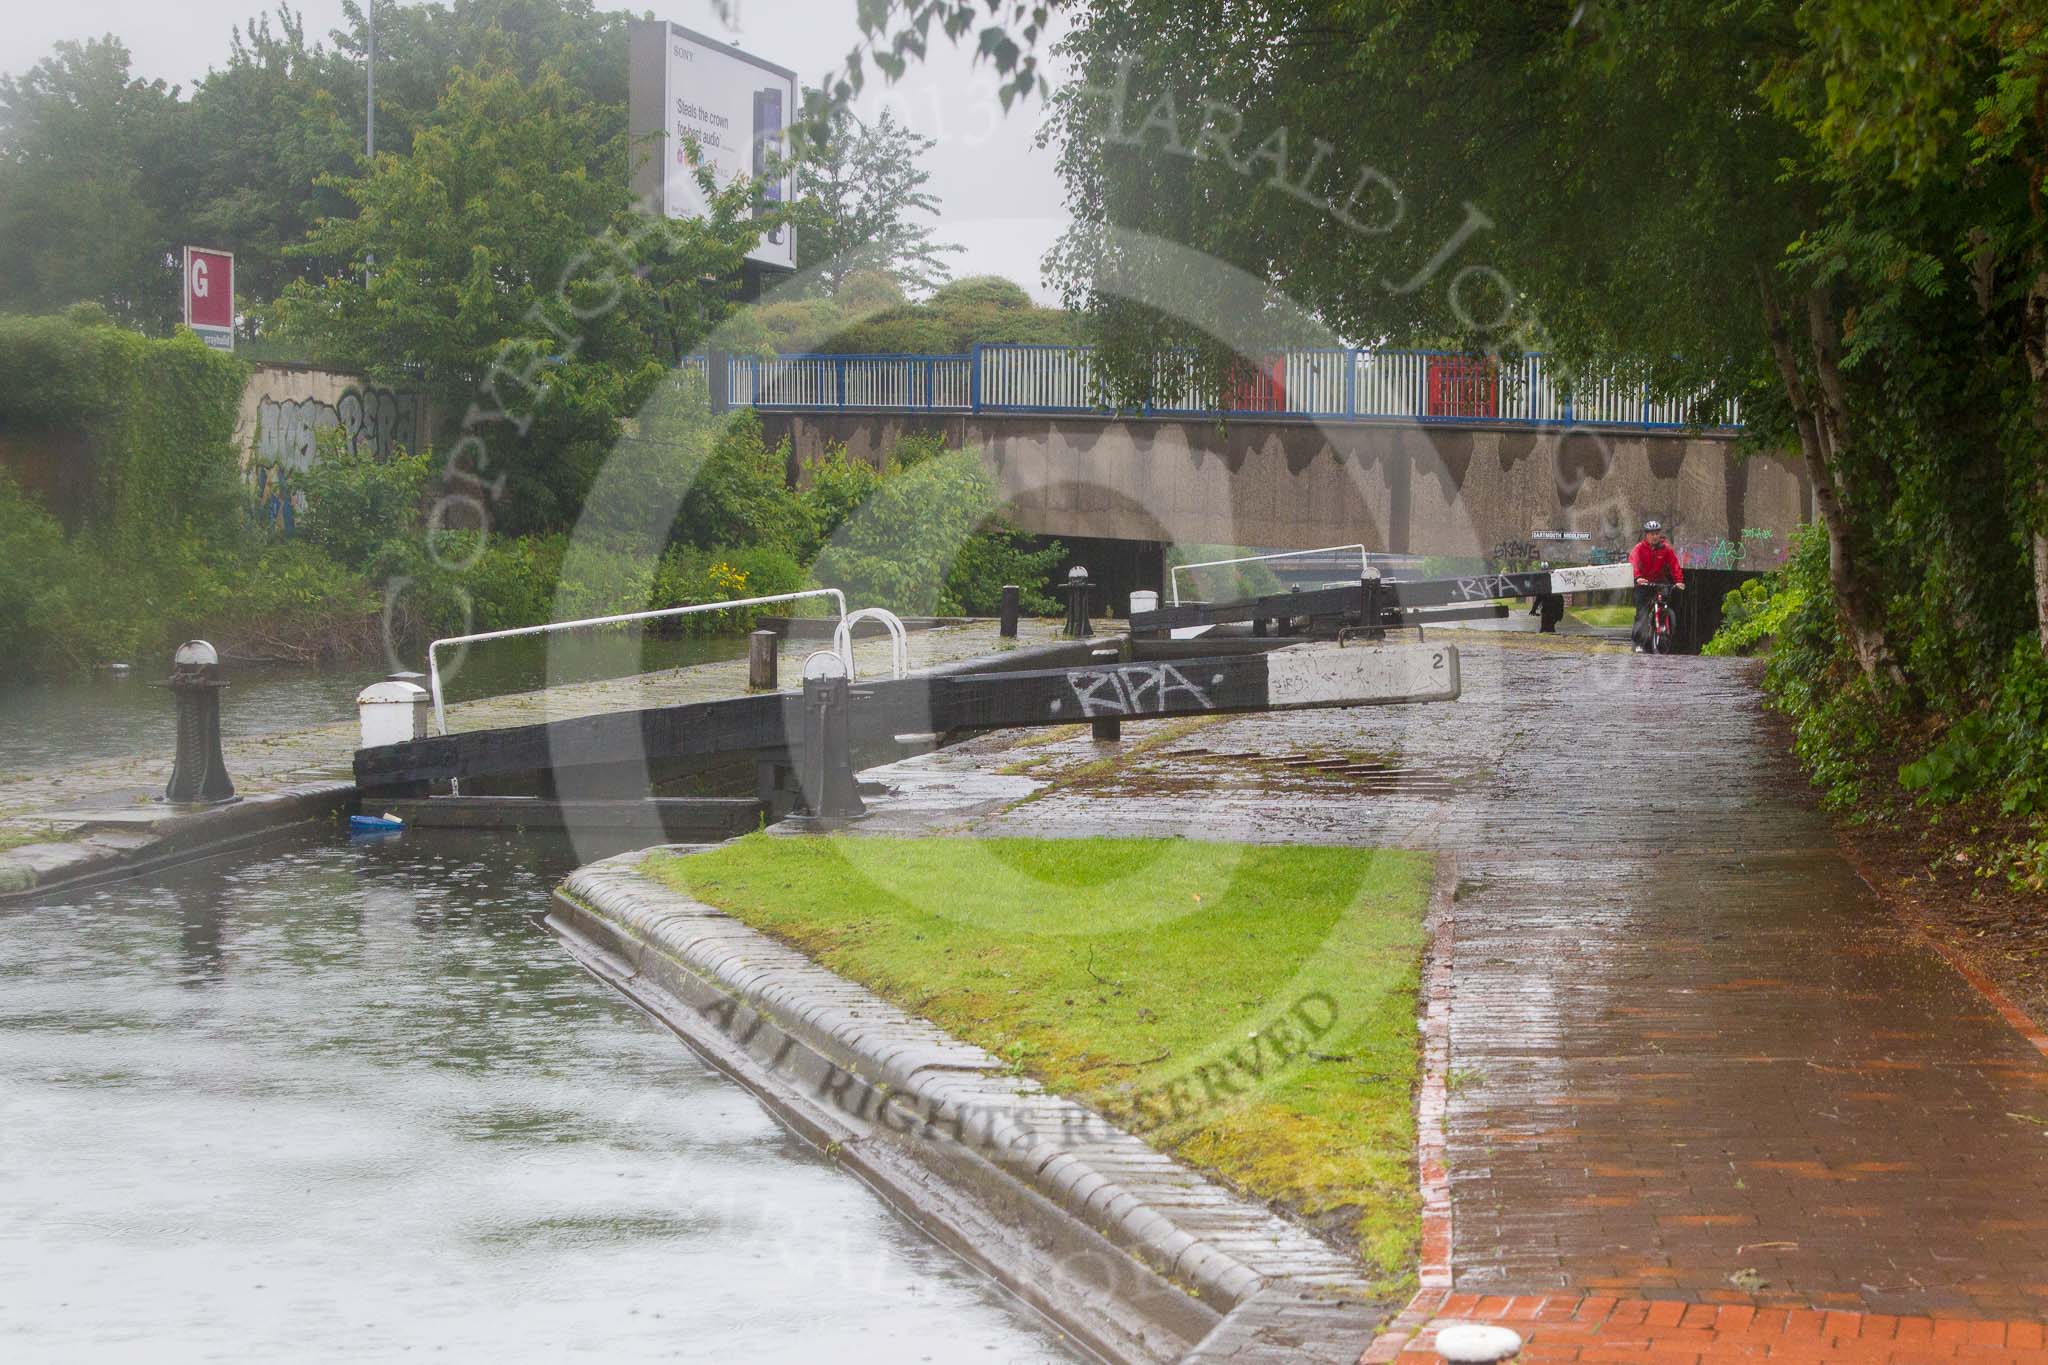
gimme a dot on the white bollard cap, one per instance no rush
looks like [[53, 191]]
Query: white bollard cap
[[824, 663], [1477, 1345], [401, 693], [392, 712], [196, 654]]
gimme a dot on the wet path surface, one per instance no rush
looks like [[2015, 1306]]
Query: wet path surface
[[1692, 1056], [351, 1102]]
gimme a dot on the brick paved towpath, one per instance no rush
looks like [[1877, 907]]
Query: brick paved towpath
[[1694, 1061]]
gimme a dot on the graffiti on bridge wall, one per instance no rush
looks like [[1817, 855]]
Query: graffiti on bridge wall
[[376, 421], [1758, 549]]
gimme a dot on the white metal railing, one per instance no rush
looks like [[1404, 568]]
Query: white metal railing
[[1318, 383], [1173, 574], [551, 627], [899, 639], [891, 382]]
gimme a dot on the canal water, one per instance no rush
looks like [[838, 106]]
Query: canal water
[[339, 1100], [106, 715]]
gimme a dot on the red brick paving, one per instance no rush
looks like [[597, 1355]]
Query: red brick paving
[[1572, 1328]]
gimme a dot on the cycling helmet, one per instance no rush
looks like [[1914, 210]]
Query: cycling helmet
[[1652, 525]]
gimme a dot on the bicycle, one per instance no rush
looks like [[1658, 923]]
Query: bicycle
[[1663, 620]]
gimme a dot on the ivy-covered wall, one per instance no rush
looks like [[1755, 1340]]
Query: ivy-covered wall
[[124, 438]]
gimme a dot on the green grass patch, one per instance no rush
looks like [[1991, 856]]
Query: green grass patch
[[1249, 1008], [1604, 617]]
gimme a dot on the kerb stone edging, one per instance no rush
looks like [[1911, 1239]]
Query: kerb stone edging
[[1136, 1256], [113, 852]]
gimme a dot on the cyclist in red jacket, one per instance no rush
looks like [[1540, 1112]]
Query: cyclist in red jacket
[[1653, 561]]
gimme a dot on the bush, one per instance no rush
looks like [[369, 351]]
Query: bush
[[50, 614], [834, 488], [981, 291], [740, 494], [355, 502], [1754, 612], [929, 543], [527, 580], [868, 291], [1999, 751], [991, 559], [907, 330], [688, 575], [688, 475]]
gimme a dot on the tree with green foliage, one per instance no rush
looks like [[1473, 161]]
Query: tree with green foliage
[[419, 45], [860, 204], [1674, 214], [1928, 121], [91, 166], [266, 133], [503, 256]]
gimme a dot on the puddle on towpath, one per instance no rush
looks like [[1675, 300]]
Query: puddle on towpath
[[332, 1101]]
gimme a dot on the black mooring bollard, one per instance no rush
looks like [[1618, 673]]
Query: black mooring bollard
[[828, 785], [1373, 603], [199, 776], [1106, 729], [1011, 597], [1077, 589]]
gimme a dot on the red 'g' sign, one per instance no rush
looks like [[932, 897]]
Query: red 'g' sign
[[209, 289]]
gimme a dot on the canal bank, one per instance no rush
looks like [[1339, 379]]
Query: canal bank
[[1136, 1254]]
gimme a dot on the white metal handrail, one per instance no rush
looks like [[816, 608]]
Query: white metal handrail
[[1173, 574], [899, 639], [434, 665]]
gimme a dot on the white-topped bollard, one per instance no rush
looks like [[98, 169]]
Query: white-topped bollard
[[199, 775], [1144, 600], [1474, 1344], [394, 711]]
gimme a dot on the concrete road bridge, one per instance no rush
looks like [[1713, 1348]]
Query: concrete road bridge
[[1410, 452]]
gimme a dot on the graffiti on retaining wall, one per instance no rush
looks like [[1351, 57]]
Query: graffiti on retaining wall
[[1758, 549], [378, 421]]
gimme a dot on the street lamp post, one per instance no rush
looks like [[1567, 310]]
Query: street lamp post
[[370, 118]]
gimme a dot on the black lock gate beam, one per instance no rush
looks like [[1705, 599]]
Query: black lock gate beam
[[877, 711], [1375, 603]]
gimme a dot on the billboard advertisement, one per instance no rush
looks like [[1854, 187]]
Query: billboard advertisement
[[210, 295], [735, 106]]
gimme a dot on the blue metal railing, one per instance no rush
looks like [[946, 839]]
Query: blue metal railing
[[1309, 384]]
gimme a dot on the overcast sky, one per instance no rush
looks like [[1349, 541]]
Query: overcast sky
[[1000, 196]]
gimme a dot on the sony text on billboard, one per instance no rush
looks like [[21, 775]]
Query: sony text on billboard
[[732, 107]]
